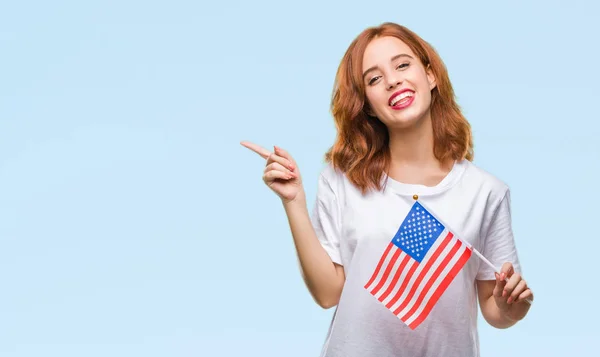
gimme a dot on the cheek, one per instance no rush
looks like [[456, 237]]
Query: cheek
[[375, 99], [426, 94], [424, 91], [425, 83]]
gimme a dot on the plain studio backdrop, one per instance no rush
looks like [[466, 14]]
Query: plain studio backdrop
[[132, 223]]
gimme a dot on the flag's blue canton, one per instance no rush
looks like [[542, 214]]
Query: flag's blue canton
[[418, 232]]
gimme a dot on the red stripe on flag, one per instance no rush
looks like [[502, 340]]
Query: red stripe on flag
[[387, 250], [432, 279], [403, 286], [428, 265], [441, 288], [396, 277], [388, 269]]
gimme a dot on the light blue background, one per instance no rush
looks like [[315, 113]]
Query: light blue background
[[132, 223]]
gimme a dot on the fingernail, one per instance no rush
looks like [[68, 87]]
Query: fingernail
[[504, 293], [497, 275], [502, 276], [509, 300]]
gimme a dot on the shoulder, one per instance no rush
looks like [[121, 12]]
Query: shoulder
[[331, 177], [334, 181], [484, 181]]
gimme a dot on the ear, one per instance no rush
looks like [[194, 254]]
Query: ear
[[431, 78]]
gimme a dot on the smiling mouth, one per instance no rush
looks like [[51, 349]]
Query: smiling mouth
[[400, 95], [402, 100]]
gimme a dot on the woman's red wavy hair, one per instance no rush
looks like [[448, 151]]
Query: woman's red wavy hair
[[361, 148]]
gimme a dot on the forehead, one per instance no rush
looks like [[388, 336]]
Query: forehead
[[381, 49]]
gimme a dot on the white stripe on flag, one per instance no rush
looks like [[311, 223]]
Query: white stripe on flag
[[439, 279], [390, 277], [384, 266], [421, 266], [405, 271], [434, 287]]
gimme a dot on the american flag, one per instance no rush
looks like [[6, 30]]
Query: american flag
[[417, 266]]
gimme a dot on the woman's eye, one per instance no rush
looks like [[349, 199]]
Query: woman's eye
[[402, 66], [373, 80]]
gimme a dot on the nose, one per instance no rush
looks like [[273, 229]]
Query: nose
[[393, 81]]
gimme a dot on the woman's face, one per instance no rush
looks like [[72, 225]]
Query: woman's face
[[397, 85]]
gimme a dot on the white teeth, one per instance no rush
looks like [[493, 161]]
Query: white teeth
[[400, 97]]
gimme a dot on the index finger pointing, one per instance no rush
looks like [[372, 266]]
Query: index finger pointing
[[257, 149]]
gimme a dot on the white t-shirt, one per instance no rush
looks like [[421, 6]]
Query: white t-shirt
[[355, 229]]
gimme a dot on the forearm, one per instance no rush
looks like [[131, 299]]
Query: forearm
[[320, 274]]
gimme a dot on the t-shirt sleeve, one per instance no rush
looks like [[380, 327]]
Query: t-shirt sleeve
[[498, 244], [326, 219]]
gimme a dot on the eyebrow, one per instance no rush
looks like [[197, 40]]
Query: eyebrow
[[391, 60]]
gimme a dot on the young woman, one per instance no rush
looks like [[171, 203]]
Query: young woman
[[401, 137]]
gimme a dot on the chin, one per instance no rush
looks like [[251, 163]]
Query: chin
[[404, 121], [400, 125]]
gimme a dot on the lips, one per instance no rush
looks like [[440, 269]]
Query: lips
[[401, 99], [401, 94]]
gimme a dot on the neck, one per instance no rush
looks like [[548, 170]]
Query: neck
[[413, 146], [412, 158]]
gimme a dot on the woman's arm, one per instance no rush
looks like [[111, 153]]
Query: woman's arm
[[322, 276]]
